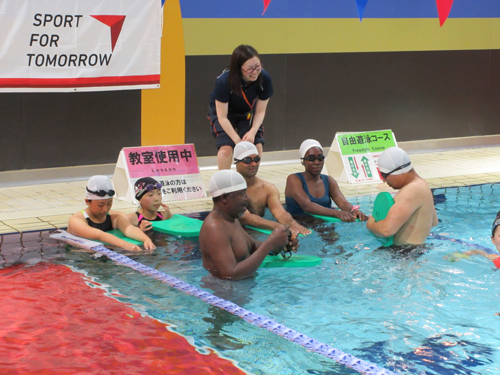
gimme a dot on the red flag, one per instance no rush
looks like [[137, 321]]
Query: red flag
[[266, 4], [444, 7]]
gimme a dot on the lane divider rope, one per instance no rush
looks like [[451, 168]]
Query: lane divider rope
[[261, 321]]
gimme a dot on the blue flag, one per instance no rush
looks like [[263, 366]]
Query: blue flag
[[361, 5]]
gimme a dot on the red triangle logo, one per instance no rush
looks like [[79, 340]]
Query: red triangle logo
[[115, 23], [444, 7]]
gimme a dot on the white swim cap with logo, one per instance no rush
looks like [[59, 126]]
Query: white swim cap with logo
[[393, 158], [244, 149], [308, 144], [97, 183], [226, 181]]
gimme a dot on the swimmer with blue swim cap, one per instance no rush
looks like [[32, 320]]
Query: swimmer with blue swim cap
[[227, 251], [97, 219], [413, 215]]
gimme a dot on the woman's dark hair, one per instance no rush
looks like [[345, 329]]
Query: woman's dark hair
[[241, 54]]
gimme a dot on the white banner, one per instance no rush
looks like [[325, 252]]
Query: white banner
[[72, 45]]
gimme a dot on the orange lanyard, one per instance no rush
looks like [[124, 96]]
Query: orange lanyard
[[250, 105], [245, 97]]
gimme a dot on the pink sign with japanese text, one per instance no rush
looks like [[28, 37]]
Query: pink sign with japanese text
[[174, 167], [161, 160]]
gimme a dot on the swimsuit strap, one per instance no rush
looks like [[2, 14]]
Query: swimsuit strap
[[140, 217]]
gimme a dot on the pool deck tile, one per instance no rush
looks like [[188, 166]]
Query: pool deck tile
[[48, 206]]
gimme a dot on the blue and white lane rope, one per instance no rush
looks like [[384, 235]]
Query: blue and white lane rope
[[261, 321]]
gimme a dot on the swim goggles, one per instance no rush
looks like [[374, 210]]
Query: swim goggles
[[248, 160], [143, 189], [150, 187], [313, 158], [102, 193], [286, 254], [384, 175], [495, 224]]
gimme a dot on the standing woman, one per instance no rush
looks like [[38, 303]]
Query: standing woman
[[238, 104]]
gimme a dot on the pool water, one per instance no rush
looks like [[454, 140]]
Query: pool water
[[410, 312]]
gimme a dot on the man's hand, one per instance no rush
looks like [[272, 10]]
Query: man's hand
[[279, 238], [296, 228], [293, 242]]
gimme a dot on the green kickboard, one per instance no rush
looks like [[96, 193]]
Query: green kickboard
[[269, 231], [294, 261], [329, 219], [381, 206], [179, 225], [121, 236]]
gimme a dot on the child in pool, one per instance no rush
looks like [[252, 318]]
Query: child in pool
[[97, 219], [148, 193], [495, 239]]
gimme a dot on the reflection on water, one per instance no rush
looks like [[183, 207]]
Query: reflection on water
[[440, 354]]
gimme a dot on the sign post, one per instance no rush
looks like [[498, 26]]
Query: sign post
[[175, 167], [353, 157]]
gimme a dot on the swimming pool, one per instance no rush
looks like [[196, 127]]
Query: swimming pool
[[412, 313]]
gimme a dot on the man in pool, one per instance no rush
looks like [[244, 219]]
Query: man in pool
[[227, 251], [261, 194], [413, 215]]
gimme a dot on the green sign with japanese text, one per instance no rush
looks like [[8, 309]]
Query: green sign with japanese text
[[366, 142]]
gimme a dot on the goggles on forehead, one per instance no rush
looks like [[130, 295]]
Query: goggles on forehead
[[102, 193], [248, 160], [313, 158], [150, 187]]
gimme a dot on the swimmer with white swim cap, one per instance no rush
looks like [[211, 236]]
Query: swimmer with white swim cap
[[97, 219], [227, 251], [313, 192], [413, 215], [261, 193]]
